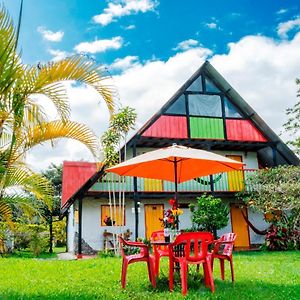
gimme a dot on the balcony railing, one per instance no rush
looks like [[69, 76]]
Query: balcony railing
[[223, 182]]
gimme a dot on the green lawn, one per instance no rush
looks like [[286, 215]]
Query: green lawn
[[259, 275]]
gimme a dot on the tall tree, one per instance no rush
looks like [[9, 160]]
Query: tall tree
[[292, 126], [54, 174], [24, 123]]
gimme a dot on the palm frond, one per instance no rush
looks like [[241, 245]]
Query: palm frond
[[22, 179], [5, 212], [46, 80], [9, 60], [58, 129]]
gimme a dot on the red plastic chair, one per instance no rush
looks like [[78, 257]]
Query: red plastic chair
[[191, 248], [223, 251], [143, 255], [158, 250]]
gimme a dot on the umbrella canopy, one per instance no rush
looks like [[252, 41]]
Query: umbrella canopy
[[176, 164]]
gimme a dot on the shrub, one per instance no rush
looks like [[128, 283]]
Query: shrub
[[210, 214], [38, 243]]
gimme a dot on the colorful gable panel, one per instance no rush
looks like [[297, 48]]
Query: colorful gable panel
[[168, 127], [206, 128], [243, 130], [178, 107]]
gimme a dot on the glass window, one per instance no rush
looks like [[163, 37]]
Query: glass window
[[114, 215], [230, 110], [196, 85], [210, 86], [205, 105], [178, 107]]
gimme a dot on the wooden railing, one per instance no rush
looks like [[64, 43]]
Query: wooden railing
[[224, 182]]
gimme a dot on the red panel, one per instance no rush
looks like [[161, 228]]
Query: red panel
[[168, 127], [243, 130], [75, 174]]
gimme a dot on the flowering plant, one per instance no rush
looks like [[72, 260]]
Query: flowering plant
[[170, 219]]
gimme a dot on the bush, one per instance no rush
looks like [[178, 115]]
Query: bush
[[38, 243], [31, 236], [211, 214], [59, 233]]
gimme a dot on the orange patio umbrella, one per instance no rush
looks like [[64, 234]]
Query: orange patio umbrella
[[176, 163]]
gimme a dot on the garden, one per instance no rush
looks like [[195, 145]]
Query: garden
[[259, 275]]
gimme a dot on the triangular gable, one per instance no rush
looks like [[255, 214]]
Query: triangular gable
[[190, 129], [75, 174], [201, 110]]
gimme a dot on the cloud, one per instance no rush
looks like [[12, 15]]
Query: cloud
[[265, 80], [130, 27], [124, 8], [284, 27], [124, 63], [187, 44], [99, 45], [282, 11], [49, 35], [211, 25], [58, 54]]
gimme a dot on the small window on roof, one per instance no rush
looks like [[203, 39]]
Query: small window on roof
[[210, 86], [196, 85], [205, 105], [178, 107], [230, 110]]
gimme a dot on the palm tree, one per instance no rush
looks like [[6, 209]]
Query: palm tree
[[23, 122]]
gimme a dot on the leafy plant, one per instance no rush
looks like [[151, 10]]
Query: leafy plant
[[278, 190], [210, 214]]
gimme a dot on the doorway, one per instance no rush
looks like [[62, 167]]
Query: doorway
[[153, 212], [239, 226]]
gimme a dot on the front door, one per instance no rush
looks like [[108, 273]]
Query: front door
[[239, 226], [153, 212], [235, 178]]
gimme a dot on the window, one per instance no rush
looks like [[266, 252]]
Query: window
[[112, 215], [196, 85], [210, 87], [230, 110], [205, 105], [178, 107]]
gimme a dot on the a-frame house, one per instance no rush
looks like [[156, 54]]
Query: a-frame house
[[205, 113]]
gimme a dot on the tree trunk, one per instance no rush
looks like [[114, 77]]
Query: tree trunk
[[50, 234]]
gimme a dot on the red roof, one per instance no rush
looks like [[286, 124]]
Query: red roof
[[75, 174]]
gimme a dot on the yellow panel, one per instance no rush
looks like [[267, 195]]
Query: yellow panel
[[116, 214], [153, 212], [240, 227], [235, 178], [153, 185]]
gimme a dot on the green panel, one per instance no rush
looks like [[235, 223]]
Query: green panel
[[206, 128]]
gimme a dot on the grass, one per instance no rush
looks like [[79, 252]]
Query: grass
[[259, 275]]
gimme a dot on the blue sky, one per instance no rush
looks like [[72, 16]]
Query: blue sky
[[151, 47], [152, 32]]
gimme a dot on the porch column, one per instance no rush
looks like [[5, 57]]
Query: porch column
[[79, 253]]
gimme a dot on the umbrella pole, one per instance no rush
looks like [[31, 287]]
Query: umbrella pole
[[176, 188]]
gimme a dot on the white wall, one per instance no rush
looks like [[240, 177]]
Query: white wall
[[71, 230], [93, 231]]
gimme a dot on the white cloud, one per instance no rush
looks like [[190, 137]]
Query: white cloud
[[284, 27], [187, 44], [211, 25], [130, 27], [49, 35], [282, 11], [124, 63], [265, 80], [123, 8], [58, 54], [99, 45]]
